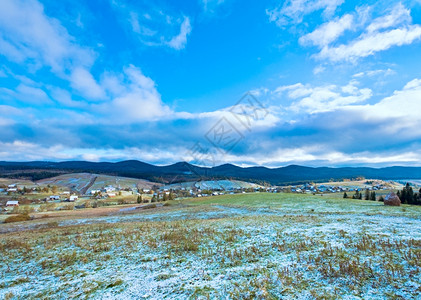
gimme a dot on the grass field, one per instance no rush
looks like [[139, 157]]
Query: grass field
[[249, 246]]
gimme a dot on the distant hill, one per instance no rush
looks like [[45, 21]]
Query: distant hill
[[182, 171], [85, 182]]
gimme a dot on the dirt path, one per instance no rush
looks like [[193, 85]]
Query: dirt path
[[90, 183]]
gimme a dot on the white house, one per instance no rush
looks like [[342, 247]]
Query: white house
[[10, 186], [66, 193], [54, 197], [12, 203], [12, 189], [73, 198], [109, 189]]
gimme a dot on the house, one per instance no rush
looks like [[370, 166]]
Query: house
[[54, 197], [66, 193], [109, 189], [12, 190], [73, 198], [111, 194], [93, 192], [10, 186], [12, 203]]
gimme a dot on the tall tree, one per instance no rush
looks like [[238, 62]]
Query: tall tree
[[367, 195]]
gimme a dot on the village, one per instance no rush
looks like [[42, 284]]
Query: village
[[46, 197]]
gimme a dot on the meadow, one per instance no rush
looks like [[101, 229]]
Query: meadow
[[247, 246]]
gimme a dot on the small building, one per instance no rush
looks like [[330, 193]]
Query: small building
[[66, 193], [111, 194], [12, 190], [109, 189], [55, 197], [10, 186], [12, 203], [73, 198]]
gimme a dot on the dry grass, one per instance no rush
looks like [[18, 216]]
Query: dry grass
[[260, 253], [18, 218]]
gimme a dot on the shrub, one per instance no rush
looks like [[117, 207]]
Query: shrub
[[18, 218], [149, 206], [68, 207], [121, 201]]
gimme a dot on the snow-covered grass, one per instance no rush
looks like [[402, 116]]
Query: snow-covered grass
[[265, 246]]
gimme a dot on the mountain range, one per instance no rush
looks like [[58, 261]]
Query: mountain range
[[183, 171]]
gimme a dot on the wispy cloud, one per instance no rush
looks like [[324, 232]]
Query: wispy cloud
[[83, 82], [211, 5], [371, 43], [328, 32], [393, 29], [179, 41], [28, 36], [152, 25], [293, 11]]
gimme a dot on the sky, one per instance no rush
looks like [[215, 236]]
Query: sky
[[271, 83]]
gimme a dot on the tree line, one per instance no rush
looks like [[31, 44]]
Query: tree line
[[408, 196], [367, 196]]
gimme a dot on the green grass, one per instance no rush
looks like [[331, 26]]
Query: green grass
[[290, 202]]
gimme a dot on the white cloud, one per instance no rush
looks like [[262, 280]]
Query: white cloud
[[372, 73], [152, 25], [318, 70], [137, 101], [31, 38], [312, 100], [328, 32], [384, 32], [369, 44], [398, 15], [27, 35], [210, 5], [27, 94], [83, 81], [179, 41], [293, 11], [403, 104], [137, 28], [65, 98], [30, 151], [134, 20]]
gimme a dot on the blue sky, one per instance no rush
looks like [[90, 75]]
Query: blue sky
[[310, 82]]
